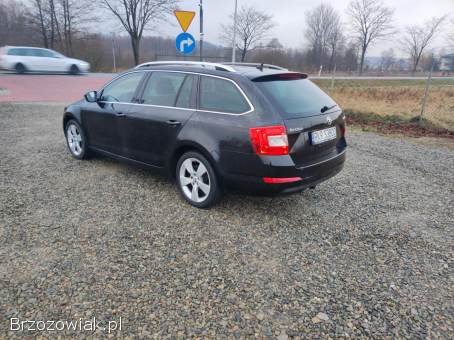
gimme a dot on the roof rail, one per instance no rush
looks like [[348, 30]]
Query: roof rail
[[213, 66], [258, 65]]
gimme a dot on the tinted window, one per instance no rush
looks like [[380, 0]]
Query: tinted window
[[221, 96], [185, 95], [122, 89], [297, 97], [164, 88], [17, 51], [43, 53]]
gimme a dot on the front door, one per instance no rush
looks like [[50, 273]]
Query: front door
[[104, 120], [151, 128]]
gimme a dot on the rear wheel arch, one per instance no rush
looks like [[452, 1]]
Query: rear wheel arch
[[186, 147]]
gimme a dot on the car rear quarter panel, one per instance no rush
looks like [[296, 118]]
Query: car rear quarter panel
[[226, 136]]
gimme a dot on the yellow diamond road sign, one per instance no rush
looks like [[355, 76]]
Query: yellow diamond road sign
[[185, 19]]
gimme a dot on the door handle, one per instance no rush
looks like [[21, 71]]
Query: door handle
[[120, 114], [173, 122]]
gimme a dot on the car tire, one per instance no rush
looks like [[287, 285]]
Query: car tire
[[197, 180], [20, 68], [75, 140], [74, 70]]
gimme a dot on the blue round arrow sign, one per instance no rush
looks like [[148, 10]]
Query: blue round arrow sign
[[185, 43]]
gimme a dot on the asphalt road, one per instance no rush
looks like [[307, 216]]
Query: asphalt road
[[367, 254], [49, 88]]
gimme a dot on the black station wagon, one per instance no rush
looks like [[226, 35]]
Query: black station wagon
[[251, 126]]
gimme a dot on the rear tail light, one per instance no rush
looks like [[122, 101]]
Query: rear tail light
[[280, 180], [269, 140], [343, 129]]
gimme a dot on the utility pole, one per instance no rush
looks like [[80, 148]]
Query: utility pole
[[113, 52], [201, 30], [234, 32]]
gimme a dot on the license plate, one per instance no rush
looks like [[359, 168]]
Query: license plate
[[321, 136]]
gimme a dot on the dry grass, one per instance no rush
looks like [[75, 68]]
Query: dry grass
[[396, 98]]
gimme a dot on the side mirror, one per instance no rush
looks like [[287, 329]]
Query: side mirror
[[91, 97]]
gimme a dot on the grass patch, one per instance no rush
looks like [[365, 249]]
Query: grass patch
[[393, 124], [395, 98]]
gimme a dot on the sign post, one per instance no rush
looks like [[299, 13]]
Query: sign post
[[185, 42], [234, 32], [201, 31]]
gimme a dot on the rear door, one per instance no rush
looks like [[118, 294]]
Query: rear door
[[314, 122], [48, 61], [104, 120], [152, 125], [37, 60]]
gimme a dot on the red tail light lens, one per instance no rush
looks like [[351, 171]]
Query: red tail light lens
[[343, 128], [269, 140], [273, 180]]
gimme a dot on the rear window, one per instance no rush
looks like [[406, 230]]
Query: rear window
[[296, 97]]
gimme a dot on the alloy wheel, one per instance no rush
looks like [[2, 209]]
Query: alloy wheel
[[75, 141], [195, 180]]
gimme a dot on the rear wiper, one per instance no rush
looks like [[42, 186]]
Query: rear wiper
[[326, 108]]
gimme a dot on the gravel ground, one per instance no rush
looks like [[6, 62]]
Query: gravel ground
[[367, 254]]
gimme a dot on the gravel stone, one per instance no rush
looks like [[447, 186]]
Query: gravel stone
[[372, 247]]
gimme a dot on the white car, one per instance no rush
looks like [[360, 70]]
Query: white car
[[34, 59]]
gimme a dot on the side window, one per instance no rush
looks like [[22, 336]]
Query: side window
[[43, 53], [163, 88], [122, 89], [33, 52], [13, 51], [185, 95], [17, 51], [221, 96]]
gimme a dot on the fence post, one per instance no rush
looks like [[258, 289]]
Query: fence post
[[426, 91]]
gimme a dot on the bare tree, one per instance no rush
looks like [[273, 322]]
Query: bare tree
[[451, 33], [371, 20], [418, 38], [252, 28], [40, 18], [136, 16], [59, 20], [324, 32], [14, 24], [73, 15], [387, 60], [335, 39]]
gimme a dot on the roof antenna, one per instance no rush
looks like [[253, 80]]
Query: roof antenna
[[261, 67]]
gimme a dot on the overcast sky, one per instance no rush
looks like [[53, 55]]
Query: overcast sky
[[289, 17]]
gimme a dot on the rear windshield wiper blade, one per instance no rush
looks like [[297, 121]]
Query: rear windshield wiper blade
[[326, 108]]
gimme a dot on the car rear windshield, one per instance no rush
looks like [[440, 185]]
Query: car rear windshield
[[295, 97]]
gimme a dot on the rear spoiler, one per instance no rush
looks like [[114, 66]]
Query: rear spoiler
[[281, 76]]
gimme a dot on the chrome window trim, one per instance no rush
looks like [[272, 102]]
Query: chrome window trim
[[252, 108]]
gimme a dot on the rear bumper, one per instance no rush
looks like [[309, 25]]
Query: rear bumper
[[310, 176]]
